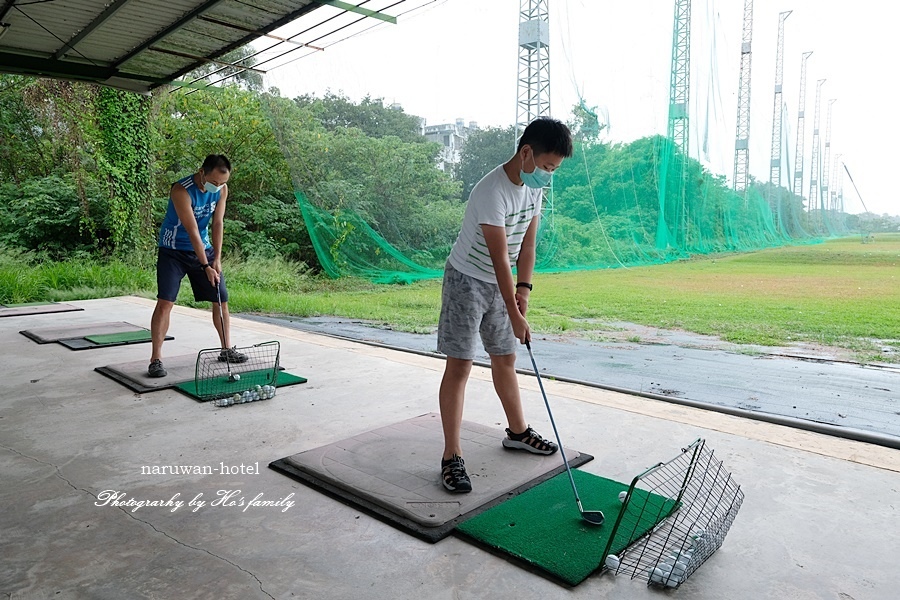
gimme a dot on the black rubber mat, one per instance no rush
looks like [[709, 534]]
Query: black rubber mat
[[38, 308], [133, 375], [86, 344], [393, 473], [46, 335]]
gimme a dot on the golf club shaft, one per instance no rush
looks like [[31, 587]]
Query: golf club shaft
[[222, 332], [555, 431]]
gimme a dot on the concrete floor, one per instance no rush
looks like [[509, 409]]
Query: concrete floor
[[819, 519]]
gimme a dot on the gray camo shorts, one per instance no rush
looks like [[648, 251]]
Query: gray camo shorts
[[469, 307]]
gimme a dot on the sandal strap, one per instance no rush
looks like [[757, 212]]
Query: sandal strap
[[532, 438]]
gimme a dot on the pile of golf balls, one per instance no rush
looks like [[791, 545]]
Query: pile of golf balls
[[259, 392], [673, 570]]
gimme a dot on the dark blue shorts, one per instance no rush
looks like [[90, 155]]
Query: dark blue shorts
[[173, 265]]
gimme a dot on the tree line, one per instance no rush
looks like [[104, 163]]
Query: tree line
[[87, 170]]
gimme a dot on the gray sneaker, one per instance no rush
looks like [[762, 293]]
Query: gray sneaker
[[156, 369], [231, 355]]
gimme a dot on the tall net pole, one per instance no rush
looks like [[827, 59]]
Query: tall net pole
[[533, 93], [677, 133], [742, 138], [801, 118], [826, 159], [679, 83], [777, 111], [833, 184], [533, 96], [814, 163]]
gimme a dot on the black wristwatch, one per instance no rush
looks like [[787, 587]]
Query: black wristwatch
[[525, 285], [205, 267]]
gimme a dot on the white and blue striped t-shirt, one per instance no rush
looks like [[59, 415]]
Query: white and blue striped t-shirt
[[495, 200]]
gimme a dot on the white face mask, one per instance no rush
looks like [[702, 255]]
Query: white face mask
[[213, 189]]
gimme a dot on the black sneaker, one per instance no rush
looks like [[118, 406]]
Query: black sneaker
[[454, 476], [231, 355], [530, 441], [156, 369]]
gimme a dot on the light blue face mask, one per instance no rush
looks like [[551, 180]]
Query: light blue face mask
[[538, 178], [212, 189]]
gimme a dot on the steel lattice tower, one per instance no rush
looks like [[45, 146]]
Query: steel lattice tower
[[777, 127], [826, 159], [814, 164], [834, 185], [678, 131], [533, 97], [680, 81], [801, 109], [742, 138]]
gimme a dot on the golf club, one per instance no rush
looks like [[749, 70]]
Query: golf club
[[232, 377], [594, 517]]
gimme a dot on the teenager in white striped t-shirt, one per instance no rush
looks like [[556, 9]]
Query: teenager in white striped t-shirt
[[481, 297]]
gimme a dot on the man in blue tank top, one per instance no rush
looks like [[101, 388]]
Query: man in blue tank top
[[185, 248]]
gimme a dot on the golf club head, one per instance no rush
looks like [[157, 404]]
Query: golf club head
[[594, 517]]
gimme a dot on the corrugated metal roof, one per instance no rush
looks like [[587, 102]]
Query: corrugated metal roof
[[132, 44]]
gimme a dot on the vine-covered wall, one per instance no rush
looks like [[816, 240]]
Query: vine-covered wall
[[123, 120]]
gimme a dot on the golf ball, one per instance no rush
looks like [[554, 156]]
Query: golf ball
[[622, 496], [236, 376], [236, 398], [612, 562]]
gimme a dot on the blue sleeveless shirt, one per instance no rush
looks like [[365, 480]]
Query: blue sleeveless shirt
[[172, 233]]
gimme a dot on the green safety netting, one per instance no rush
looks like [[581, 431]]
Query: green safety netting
[[610, 206]]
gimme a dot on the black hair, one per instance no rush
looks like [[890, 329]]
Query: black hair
[[547, 135], [216, 162]]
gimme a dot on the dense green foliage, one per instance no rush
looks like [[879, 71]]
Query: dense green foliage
[[484, 149], [123, 160], [89, 169], [336, 112]]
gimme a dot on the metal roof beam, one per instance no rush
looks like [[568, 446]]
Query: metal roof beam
[[202, 59], [28, 65], [250, 37], [168, 30], [359, 10], [106, 14], [248, 30], [7, 6]]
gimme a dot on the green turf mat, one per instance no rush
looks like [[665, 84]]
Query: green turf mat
[[248, 380], [543, 528], [142, 335]]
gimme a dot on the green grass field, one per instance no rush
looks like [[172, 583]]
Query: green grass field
[[839, 293]]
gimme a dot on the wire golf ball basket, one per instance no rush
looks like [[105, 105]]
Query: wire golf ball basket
[[219, 379], [694, 499]]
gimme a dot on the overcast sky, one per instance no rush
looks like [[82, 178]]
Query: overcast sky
[[458, 59]]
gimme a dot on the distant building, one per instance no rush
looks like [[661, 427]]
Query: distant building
[[451, 136]]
